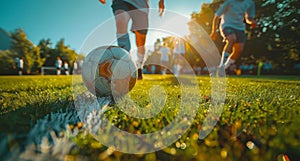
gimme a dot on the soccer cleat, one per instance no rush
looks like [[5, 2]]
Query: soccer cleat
[[140, 74]]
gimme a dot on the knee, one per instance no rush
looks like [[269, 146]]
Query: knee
[[231, 39]]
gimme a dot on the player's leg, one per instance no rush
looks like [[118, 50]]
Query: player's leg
[[140, 43], [180, 62], [163, 67], [238, 47], [20, 71], [230, 38], [228, 48], [122, 18], [58, 71], [176, 65], [140, 29], [237, 50]]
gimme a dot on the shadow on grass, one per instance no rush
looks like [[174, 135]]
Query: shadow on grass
[[21, 120]]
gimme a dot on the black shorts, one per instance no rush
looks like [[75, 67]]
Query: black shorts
[[139, 18], [240, 35]]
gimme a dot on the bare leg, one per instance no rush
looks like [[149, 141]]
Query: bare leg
[[230, 41], [140, 43], [229, 49], [140, 40], [237, 50], [122, 19]]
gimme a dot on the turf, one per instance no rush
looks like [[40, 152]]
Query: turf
[[259, 121]]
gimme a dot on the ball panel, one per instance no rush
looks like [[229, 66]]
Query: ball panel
[[88, 74], [132, 82], [133, 70], [99, 55], [120, 53], [104, 69], [120, 69], [103, 86], [122, 86], [92, 88]]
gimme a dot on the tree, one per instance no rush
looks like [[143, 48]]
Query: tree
[[47, 52], [65, 52], [203, 19], [7, 64], [24, 48], [279, 26], [45, 48]]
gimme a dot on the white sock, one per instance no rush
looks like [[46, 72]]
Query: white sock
[[228, 63], [140, 61], [224, 58]]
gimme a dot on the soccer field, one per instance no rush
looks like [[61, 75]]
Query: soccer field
[[259, 121]]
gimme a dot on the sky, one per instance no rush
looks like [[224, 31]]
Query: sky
[[77, 20]]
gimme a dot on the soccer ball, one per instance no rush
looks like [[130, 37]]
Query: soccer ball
[[109, 71]]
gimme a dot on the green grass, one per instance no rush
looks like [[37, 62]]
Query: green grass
[[258, 110], [24, 100]]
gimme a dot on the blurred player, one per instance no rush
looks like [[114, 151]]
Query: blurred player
[[165, 52], [137, 11], [58, 65], [20, 66], [230, 18], [66, 68], [178, 52]]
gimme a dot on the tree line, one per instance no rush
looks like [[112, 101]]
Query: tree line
[[275, 39], [34, 56]]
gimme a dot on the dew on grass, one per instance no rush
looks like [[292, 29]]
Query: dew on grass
[[182, 146], [158, 144], [173, 151], [224, 153], [250, 145], [195, 136]]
